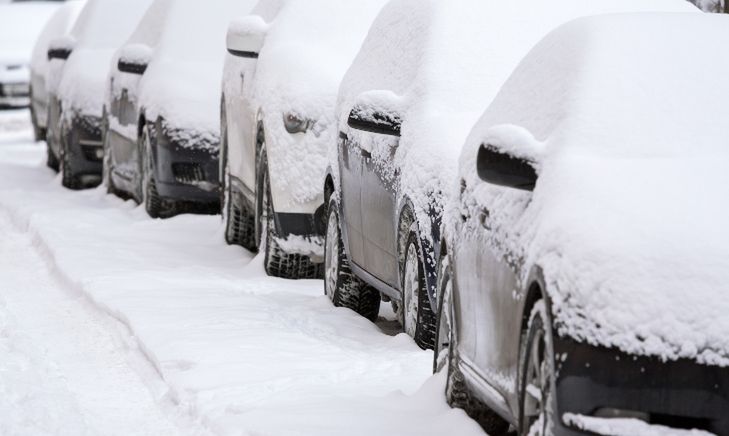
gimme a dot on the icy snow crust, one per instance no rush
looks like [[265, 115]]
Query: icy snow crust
[[445, 62], [626, 427], [20, 26], [101, 28], [307, 50], [627, 220], [186, 57]]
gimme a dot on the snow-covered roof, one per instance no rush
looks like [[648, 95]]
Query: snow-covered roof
[[102, 26], [187, 51], [307, 49], [445, 61], [628, 218], [59, 24]]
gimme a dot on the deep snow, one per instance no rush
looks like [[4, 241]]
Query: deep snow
[[219, 346]]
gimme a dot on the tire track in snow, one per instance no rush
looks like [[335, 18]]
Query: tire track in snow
[[74, 349]]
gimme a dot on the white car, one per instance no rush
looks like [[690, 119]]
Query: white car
[[20, 26], [78, 68], [589, 245], [424, 75], [59, 24], [279, 92], [162, 117]]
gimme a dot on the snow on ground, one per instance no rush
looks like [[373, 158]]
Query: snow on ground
[[102, 301]]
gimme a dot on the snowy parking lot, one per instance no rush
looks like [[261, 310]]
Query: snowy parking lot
[[113, 323]]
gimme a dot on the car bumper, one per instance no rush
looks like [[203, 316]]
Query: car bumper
[[85, 145], [15, 94], [187, 173], [601, 382]]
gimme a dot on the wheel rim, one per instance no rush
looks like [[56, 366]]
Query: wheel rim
[[146, 167], [538, 386], [411, 290], [331, 256], [445, 325]]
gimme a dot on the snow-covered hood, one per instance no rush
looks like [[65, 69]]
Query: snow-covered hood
[[185, 93], [628, 217], [82, 86]]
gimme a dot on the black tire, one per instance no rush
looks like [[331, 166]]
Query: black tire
[[51, 159], [537, 344], [340, 284], [154, 204], [277, 262], [39, 133], [418, 318], [240, 220], [444, 319], [69, 178]]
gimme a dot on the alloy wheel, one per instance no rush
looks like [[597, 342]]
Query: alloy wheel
[[331, 256], [411, 291], [538, 382]]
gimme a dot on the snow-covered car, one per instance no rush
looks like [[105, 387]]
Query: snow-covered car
[[20, 26], [587, 282], [58, 25], [424, 75], [280, 85], [162, 125], [79, 64]]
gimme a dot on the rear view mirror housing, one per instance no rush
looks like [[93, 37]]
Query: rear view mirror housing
[[377, 112], [509, 156], [503, 169], [246, 36], [134, 59], [61, 48]]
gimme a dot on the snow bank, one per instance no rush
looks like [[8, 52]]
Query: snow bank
[[447, 61], [626, 219], [626, 427], [101, 28], [308, 48]]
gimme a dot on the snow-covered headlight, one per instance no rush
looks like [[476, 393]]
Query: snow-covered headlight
[[294, 123]]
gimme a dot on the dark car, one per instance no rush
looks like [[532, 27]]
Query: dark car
[[77, 69], [585, 285], [162, 128]]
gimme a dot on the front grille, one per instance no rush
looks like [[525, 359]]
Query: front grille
[[15, 90], [188, 173]]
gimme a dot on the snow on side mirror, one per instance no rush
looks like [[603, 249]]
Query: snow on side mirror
[[134, 58], [509, 156], [61, 48], [377, 112], [246, 36]]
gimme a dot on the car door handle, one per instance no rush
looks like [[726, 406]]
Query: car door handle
[[485, 219]]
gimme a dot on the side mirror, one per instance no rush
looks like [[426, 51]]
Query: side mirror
[[377, 112], [246, 36], [61, 48], [134, 59], [503, 169]]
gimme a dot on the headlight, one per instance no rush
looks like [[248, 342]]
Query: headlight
[[295, 123]]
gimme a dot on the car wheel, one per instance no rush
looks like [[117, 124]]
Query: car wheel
[[107, 179], [444, 320], [51, 159], [536, 384], [69, 179], [240, 221], [340, 284], [418, 319], [154, 204], [277, 262], [39, 133]]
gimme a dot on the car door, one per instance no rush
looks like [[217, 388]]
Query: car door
[[350, 174], [379, 204]]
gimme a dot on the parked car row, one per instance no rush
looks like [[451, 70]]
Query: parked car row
[[533, 186]]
